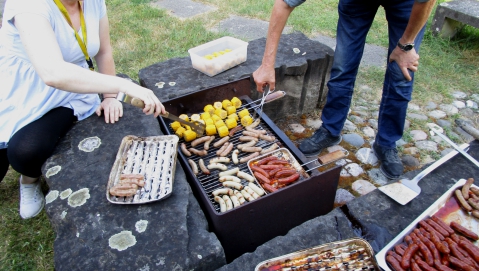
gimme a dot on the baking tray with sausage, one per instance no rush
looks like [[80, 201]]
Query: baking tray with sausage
[[436, 238]]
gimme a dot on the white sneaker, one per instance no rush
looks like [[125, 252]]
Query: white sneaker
[[31, 199]]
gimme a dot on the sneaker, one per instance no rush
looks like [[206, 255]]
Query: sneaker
[[391, 164], [321, 139], [31, 199]]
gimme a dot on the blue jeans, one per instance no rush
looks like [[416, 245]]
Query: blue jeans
[[355, 19]]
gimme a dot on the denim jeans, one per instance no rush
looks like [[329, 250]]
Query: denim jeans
[[355, 19]]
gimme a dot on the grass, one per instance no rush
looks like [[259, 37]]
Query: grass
[[142, 35]]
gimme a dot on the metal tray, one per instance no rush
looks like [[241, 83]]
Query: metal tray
[[336, 255], [155, 158], [466, 220], [280, 153]]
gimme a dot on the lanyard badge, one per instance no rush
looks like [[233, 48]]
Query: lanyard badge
[[81, 43]]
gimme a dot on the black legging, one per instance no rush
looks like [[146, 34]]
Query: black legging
[[33, 144]]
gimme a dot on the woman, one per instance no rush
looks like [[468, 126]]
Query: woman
[[47, 82]]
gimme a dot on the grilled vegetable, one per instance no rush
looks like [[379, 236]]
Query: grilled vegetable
[[209, 122], [195, 117], [217, 105], [236, 102], [223, 131], [209, 108], [226, 103], [231, 123], [175, 125], [205, 116], [233, 116], [246, 120], [230, 109], [179, 132], [221, 113], [219, 123], [184, 116], [189, 135], [210, 129], [215, 118], [243, 113]]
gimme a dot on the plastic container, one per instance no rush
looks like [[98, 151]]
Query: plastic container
[[218, 55]]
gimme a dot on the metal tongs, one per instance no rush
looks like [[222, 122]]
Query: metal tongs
[[435, 129], [260, 107]]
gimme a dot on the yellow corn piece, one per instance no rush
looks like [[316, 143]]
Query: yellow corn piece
[[246, 120], [223, 131], [205, 115], [231, 109], [243, 113], [210, 130], [226, 103], [175, 125], [233, 116], [215, 118], [179, 132], [227, 50], [187, 127], [195, 117], [189, 135], [219, 123], [184, 116], [236, 102], [230, 123], [218, 105], [209, 108], [209, 121], [221, 113]]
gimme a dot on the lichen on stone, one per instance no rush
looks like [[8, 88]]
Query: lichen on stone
[[64, 213], [141, 225], [78, 198], [65, 193], [122, 240], [52, 171], [51, 196], [89, 144]]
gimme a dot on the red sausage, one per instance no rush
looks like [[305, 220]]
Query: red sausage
[[260, 170], [285, 173], [268, 187], [394, 263], [455, 251], [442, 224], [460, 229], [430, 229], [408, 240], [425, 252], [266, 160], [278, 162], [441, 267], [274, 171], [439, 245], [270, 167], [423, 265], [458, 263], [399, 250], [261, 177], [289, 179], [395, 255], [406, 258], [471, 249], [437, 227], [429, 244], [234, 130], [415, 267]]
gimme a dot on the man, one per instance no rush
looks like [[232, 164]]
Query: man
[[406, 25]]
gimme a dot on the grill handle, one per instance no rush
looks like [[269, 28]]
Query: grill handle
[[327, 159]]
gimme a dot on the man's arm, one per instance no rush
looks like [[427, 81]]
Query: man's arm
[[265, 74]]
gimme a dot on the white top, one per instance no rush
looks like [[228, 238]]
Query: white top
[[24, 97]]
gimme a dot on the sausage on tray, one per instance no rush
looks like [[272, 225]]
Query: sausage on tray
[[203, 168], [466, 187], [249, 133], [260, 170], [234, 157], [428, 228], [442, 224], [221, 141], [184, 150], [408, 253], [437, 227], [265, 160], [227, 151], [471, 249], [270, 148], [234, 130], [463, 203], [285, 173], [193, 166], [206, 146], [200, 140], [251, 149], [222, 149], [462, 265], [261, 177], [394, 263], [249, 157], [269, 187], [462, 230], [279, 162], [198, 152], [474, 203], [270, 167], [246, 138]]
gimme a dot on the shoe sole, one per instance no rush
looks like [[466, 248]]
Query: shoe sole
[[384, 171], [318, 152]]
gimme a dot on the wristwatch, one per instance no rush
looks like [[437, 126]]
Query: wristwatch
[[406, 47]]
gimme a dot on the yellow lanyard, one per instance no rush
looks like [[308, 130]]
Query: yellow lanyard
[[83, 30]]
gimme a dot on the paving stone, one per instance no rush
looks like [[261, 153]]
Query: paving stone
[[373, 123], [296, 128], [410, 150], [400, 142], [437, 139], [426, 145], [459, 104], [464, 135], [468, 112], [369, 132], [413, 107], [335, 148], [183, 9], [314, 123], [360, 108], [430, 106], [356, 120], [246, 28], [444, 123], [449, 109], [459, 94], [349, 126], [409, 161], [377, 176], [366, 156], [361, 114], [471, 104], [418, 135], [475, 97], [437, 114], [375, 114], [343, 162], [416, 116], [354, 169], [354, 139], [343, 196], [362, 187], [427, 159], [407, 124]]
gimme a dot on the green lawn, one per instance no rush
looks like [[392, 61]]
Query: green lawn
[[142, 35]]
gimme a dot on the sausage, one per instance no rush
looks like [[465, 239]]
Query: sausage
[[206, 146], [234, 130], [220, 160], [399, 250], [394, 263], [247, 195], [222, 191], [246, 138], [455, 252], [234, 157], [437, 227], [126, 186], [222, 149], [395, 255], [462, 265], [254, 124], [122, 193], [251, 192], [270, 148], [249, 157], [269, 187], [423, 265], [221, 141], [415, 267], [440, 266], [230, 178], [184, 150], [285, 173], [245, 176], [260, 170], [229, 203], [430, 245], [230, 172], [193, 166], [289, 179], [234, 199], [261, 177], [227, 151], [475, 213], [239, 196], [279, 162], [462, 201], [428, 228], [267, 138], [203, 168], [248, 144], [274, 171], [406, 258], [256, 189], [132, 176], [249, 133], [442, 224], [234, 185], [438, 244], [462, 230], [197, 152], [266, 160], [262, 132], [408, 240], [137, 182], [217, 166], [200, 140], [252, 149], [471, 249], [466, 187], [474, 190], [221, 202], [474, 203], [425, 252], [271, 167]]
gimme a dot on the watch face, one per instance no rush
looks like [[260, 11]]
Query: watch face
[[408, 47]]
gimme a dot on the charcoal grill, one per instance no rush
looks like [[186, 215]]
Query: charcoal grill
[[244, 228]]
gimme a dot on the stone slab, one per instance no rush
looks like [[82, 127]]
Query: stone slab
[[245, 28], [183, 9], [176, 235], [450, 15], [303, 77]]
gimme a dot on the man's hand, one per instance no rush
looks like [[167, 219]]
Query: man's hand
[[113, 109], [263, 76], [406, 61]]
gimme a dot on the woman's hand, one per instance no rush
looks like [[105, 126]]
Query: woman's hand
[[152, 103], [113, 109]]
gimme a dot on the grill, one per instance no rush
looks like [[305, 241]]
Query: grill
[[244, 228]]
